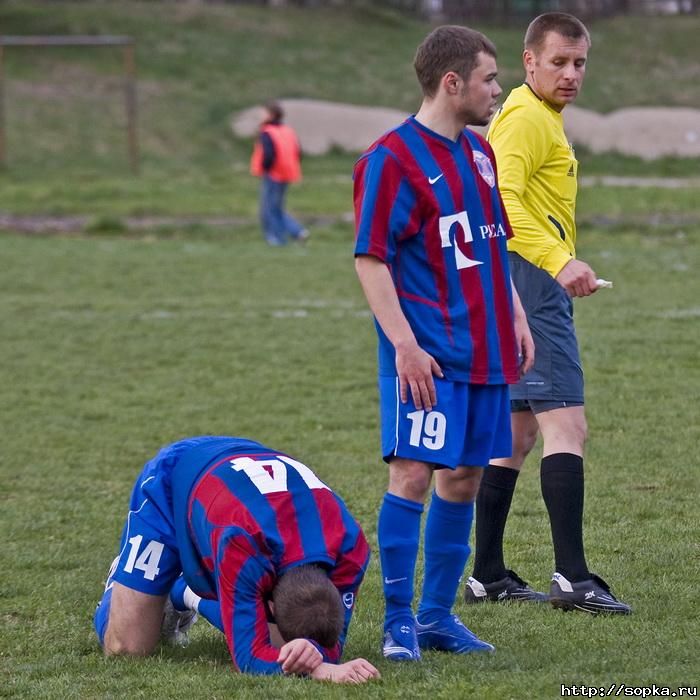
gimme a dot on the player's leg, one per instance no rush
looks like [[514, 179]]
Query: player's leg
[[184, 598], [490, 579], [398, 534], [573, 586], [398, 528], [134, 622], [562, 482], [483, 418], [447, 531], [562, 422], [128, 618]]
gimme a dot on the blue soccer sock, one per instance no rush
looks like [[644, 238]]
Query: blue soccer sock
[[101, 616], [446, 552], [184, 598], [398, 532]]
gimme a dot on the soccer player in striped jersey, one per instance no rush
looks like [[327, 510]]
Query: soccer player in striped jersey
[[537, 175], [431, 257], [269, 554]]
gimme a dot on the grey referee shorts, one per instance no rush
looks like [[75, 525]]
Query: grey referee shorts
[[556, 380]]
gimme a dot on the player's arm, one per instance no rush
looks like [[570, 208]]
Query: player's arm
[[385, 210], [242, 583], [523, 336], [414, 367], [347, 576]]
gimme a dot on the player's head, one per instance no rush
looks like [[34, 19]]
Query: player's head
[[556, 49], [450, 48], [273, 111], [308, 605]]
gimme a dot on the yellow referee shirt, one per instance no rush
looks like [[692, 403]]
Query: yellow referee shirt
[[537, 178]]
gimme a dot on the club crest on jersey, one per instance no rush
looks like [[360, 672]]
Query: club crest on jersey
[[483, 165], [348, 600]]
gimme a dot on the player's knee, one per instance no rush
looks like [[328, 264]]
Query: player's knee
[[116, 644], [125, 647], [461, 485], [578, 432], [523, 443], [409, 479]]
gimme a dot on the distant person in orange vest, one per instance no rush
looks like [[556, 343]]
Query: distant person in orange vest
[[277, 160]]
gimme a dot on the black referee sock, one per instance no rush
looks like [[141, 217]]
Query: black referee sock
[[492, 507], [561, 478]]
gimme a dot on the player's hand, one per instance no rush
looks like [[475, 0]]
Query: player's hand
[[299, 657], [577, 278], [416, 368], [524, 342], [355, 671]]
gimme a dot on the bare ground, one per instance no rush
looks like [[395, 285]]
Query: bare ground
[[646, 132]]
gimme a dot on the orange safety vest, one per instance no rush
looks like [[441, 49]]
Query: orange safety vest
[[287, 166]]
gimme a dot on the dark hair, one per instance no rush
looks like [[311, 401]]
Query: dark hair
[[308, 605], [275, 109], [560, 22], [449, 48]]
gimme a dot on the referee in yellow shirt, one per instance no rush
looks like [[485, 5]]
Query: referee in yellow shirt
[[537, 173]]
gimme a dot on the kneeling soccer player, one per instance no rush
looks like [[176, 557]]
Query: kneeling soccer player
[[268, 553]]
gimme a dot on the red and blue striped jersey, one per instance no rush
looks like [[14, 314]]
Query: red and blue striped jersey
[[250, 513], [430, 209]]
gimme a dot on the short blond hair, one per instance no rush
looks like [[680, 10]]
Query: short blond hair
[[559, 22]]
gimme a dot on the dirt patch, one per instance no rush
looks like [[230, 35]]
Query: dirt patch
[[646, 132]]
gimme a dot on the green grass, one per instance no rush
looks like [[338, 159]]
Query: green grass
[[200, 63], [116, 342], [114, 346]]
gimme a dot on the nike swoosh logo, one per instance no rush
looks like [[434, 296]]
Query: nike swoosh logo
[[394, 580], [433, 180]]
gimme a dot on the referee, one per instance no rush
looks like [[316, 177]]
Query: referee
[[537, 177]]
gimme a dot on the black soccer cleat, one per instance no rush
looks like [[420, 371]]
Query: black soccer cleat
[[512, 587], [592, 596]]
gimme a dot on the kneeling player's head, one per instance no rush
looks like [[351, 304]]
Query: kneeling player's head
[[308, 605]]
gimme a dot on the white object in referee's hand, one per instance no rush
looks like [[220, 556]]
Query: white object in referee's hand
[[603, 284]]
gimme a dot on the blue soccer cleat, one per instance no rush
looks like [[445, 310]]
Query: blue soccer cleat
[[450, 634], [400, 643]]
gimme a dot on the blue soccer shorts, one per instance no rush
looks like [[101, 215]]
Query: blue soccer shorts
[[148, 559], [469, 425]]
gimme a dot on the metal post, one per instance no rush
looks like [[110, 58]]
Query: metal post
[[130, 90], [2, 108]]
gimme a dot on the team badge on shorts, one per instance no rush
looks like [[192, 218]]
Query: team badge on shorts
[[483, 165]]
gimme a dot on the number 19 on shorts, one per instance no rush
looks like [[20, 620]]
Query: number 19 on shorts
[[427, 429]]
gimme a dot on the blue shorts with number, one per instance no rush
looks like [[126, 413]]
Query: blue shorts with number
[[148, 559], [469, 425]]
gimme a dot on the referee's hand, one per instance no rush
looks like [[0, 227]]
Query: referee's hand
[[578, 279]]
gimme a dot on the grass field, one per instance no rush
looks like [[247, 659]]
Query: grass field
[[114, 346], [115, 343]]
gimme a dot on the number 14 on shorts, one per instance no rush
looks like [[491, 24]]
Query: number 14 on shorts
[[147, 561], [428, 429]]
